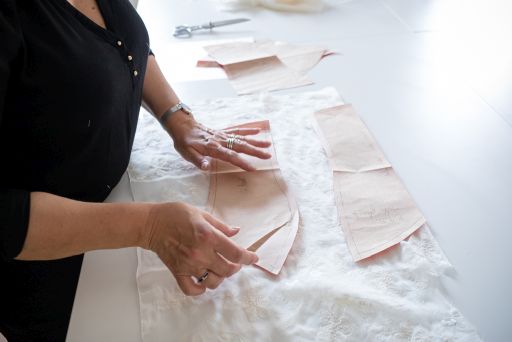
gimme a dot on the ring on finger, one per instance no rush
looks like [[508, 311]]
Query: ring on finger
[[233, 139], [230, 141], [203, 277]]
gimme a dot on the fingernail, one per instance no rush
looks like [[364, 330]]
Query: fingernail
[[235, 228], [205, 165], [256, 258]]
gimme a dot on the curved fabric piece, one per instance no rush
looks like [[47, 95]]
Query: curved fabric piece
[[374, 207], [258, 202], [264, 65], [376, 210]]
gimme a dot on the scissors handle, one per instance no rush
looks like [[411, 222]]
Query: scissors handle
[[185, 31], [182, 31]]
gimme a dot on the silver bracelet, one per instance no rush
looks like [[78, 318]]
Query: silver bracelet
[[176, 108]]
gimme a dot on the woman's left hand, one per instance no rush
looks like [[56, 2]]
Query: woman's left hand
[[198, 144]]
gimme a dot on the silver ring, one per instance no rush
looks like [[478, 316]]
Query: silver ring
[[234, 139], [203, 277], [236, 136], [230, 142]]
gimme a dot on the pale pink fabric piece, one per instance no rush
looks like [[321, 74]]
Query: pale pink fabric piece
[[349, 145], [264, 74], [237, 52], [375, 209], [264, 65], [300, 58], [260, 203], [374, 206]]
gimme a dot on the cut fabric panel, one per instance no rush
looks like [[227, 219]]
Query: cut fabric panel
[[376, 210], [237, 52], [264, 65], [374, 207], [300, 58], [253, 201], [264, 74], [259, 202], [349, 145]]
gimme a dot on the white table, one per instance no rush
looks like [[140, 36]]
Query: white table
[[431, 79]]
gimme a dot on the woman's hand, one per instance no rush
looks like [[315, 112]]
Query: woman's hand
[[191, 242], [197, 143], [193, 141]]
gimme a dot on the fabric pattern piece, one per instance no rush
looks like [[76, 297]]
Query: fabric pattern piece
[[264, 74], [264, 65], [259, 202], [375, 209], [320, 293]]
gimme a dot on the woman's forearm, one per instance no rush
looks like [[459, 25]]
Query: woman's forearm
[[157, 94], [186, 239], [60, 227]]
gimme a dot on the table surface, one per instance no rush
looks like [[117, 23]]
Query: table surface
[[431, 79]]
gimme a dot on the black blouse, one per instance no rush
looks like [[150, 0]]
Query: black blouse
[[70, 93]]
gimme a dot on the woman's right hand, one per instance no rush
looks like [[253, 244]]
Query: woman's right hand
[[191, 242]]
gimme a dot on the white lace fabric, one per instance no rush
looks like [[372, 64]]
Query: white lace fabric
[[321, 294]]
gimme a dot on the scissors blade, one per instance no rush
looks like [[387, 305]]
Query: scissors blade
[[227, 22]]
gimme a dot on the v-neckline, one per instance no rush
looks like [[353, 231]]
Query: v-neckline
[[108, 31]]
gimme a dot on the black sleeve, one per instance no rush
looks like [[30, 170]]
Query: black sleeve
[[14, 204], [14, 214]]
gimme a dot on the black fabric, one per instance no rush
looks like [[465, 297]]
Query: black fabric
[[37, 299], [69, 103], [14, 212]]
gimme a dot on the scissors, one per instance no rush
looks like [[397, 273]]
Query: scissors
[[185, 31]]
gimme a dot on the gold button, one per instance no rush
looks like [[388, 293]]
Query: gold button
[[119, 43], [130, 57], [135, 72]]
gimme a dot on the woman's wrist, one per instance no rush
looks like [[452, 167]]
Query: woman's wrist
[[179, 120], [132, 230], [159, 215]]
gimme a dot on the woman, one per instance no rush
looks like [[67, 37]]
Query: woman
[[72, 77]]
